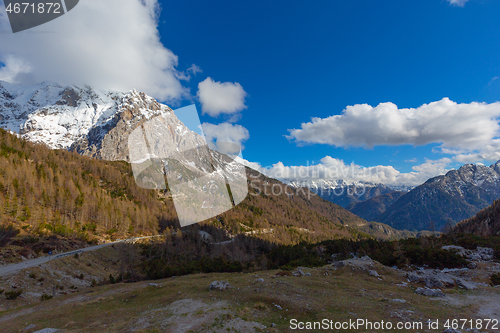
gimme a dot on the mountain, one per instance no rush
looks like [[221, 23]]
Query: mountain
[[100, 124], [342, 192], [53, 114], [446, 199], [91, 122], [485, 223], [370, 209]]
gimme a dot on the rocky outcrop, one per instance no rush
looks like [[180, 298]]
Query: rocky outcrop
[[433, 278], [480, 254], [109, 141]]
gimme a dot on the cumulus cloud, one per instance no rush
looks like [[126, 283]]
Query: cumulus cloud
[[467, 127], [112, 44], [330, 168], [218, 98], [218, 137], [459, 3]]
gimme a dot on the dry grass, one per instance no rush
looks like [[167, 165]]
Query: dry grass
[[185, 304]]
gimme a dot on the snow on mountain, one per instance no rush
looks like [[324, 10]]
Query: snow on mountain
[[445, 200], [54, 114]]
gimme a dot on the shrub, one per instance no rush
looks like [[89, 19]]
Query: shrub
[[495, 279], [32, 275], [111, 231], [45, 297], [13, 294]]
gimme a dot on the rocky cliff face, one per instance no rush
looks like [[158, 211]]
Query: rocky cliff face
[[109, 140]]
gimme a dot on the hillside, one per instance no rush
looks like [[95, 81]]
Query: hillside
[[370, 209], [484, 223], [59, 192]]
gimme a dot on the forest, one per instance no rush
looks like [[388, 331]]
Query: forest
[[58, 192]]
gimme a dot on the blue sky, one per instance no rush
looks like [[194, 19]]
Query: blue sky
[[283, 63], [298, 60]]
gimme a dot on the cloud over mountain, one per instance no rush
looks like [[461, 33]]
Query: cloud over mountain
[[112, 44], [218, 135], [218, 98], [330, 168]]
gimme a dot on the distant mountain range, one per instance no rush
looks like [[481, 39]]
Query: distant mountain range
[[345, 193], [439, 202], [445, 199]]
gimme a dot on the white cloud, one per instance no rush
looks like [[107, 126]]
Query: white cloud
[[192, 70], [493, 79], [467, 127], [331, 168], [112, 44], [459, 3], [221, 97], [218, 136]]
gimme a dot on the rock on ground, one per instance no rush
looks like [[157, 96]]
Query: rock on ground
[[429, 292], [220, 285]]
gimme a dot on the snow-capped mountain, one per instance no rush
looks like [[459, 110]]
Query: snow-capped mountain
[[445, 199], [53, 114], [340, 191], [92, 122]]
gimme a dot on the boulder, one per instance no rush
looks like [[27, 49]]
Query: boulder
[[300, 272], [465, 284], [485, 253], [413, 277], [472, 265], [338, 264], [429, 292], [373, 273], [220, 285], [431, 278]]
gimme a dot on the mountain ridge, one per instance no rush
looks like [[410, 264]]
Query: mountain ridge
[[445, 200]]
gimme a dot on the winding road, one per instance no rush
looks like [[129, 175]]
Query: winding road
[[13, 268]]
